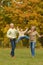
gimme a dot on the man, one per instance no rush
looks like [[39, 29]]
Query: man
[[12, 34]]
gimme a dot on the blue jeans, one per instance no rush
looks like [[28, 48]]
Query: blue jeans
[[32, 45], [22, 37], [13, 45]]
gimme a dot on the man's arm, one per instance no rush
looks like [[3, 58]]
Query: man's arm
[[8, 33]]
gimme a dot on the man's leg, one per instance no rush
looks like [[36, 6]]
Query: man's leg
[[13, 44]]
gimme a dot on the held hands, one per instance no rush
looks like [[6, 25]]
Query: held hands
[[41, 35]]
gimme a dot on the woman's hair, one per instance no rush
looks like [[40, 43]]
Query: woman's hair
[[34, 27]]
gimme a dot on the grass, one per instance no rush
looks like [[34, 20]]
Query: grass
[[23, 57]]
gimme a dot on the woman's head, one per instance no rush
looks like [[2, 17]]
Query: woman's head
[[33, 28]]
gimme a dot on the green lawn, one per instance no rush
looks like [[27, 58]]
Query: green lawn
[[23, 57]]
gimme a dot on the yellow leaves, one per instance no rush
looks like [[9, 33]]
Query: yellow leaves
[[18, 11], [33, 22], [20, 5], [1, 17], [35, 1], [5, 42], [7, 9], [27, 15], [34, 13], [20, 20], [25, 1], [6, 28], [22, 15]]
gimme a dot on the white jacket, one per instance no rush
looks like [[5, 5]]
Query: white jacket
[[12, 33]]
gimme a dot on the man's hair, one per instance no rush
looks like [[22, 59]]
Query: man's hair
[[11, 24]]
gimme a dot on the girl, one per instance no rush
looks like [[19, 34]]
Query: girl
[[22, 34]]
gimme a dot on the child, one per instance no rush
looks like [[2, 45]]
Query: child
[[12, 34], [22, 34], [33, 33]]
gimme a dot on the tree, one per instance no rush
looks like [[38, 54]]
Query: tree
[[22, 13]]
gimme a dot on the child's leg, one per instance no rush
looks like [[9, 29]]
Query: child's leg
[[26, 37], [20, 38]]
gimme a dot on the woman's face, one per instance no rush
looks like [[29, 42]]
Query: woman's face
[[33, 28]]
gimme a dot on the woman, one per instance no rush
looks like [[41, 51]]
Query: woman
[[33, 33]]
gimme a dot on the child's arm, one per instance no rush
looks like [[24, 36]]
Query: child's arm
[[18, 29], [25, 31]]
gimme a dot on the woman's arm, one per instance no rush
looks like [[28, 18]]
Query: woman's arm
[[29, 31], [39, 34]]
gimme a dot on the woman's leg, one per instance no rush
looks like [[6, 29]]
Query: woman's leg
[[32, 48]]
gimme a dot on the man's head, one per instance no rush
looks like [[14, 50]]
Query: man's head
[[11, 25]]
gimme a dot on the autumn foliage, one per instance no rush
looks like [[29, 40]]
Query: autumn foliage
[[23, 13]]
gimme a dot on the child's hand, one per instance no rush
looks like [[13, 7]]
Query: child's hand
[[41, 35]]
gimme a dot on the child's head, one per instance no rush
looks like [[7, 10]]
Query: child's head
[[21, 30], [11, 25], [33, 28]]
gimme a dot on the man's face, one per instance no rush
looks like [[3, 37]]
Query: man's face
[[12, 25]]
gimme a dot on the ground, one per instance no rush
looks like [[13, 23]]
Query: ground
[[22, 57]]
